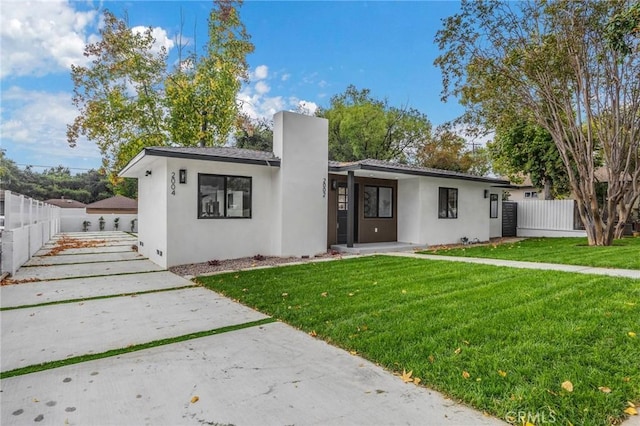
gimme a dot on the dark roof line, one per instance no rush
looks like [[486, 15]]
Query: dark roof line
[[386, 166], [224, 154], [265, 158]]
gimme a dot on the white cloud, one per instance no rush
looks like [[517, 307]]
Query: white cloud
[[262, 87], [34, 125], [255, 102], [307, 107], [160, 36], [40, 37], [261, 72]]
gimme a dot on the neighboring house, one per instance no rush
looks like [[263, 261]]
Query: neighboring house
[[72, 213], [76, 216], [124, 209], [66, 203], [115, 205], [200, 204], [524, 191]]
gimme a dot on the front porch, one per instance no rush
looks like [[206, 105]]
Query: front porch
[[370, 248]]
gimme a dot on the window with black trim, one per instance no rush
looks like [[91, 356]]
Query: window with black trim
[[448, 203], [221, 196], [378, 202], [493, 206]]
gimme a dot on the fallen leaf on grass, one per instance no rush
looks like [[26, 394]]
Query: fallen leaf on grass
[[631, 411], [195, 399], [431, 359], [457, 351], [406, 377], [313, 333], [466, 375], [632, 334], [323, 294], [502, 373], [417, 380], [354, 353], [604, 389], [626, 379], [567, 385]]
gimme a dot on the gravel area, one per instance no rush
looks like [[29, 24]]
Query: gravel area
[[195, 269]]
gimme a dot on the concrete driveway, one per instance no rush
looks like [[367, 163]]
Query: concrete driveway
[[91, 300]]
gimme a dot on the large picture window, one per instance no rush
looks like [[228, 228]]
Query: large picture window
[[378, 202], [493, 208], [448, 203], [224, 196]]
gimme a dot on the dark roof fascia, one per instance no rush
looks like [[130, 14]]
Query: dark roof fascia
[[415, 172], [208, 157], [510, 186]]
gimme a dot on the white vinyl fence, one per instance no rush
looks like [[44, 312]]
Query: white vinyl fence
[[28, 225], [547, 218]]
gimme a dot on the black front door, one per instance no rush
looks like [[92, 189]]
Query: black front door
[[343, 200]]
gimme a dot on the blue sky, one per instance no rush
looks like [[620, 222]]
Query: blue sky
[[305, 52]]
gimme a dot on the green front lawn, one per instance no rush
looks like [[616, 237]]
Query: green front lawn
[[502, 340], [624, 253]]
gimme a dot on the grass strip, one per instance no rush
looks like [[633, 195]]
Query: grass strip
[[500, 339], [133, 348], [623, 254], [106, 296]]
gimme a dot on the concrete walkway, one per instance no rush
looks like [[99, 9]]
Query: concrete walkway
[[612, 272], [268, 374]]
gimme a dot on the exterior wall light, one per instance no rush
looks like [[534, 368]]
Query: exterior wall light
[[182, 176], [486, 193], [334, 184]]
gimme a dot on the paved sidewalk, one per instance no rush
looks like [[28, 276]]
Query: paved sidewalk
[[270, 375], [626, 273]]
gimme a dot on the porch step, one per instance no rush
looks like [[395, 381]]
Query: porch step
[[368, 248]]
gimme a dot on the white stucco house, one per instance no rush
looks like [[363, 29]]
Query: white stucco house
[[199, 204]]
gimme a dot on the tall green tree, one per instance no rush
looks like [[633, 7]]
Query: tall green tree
[[525, 148], [128, 99], [57, 182], [119, 94], [553, 62], [201, 92], [447, 150], [254, 134], [361, 126]]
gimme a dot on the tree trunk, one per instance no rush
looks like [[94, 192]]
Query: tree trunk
[[547, 190]]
